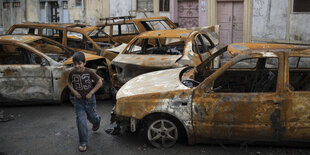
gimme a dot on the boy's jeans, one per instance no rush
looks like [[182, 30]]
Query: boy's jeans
[[82, 109]]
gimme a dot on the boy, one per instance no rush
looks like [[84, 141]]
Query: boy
[[80, 83]]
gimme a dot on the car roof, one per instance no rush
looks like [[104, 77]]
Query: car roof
[[240, 48], [71, 27], [20, 38], [173, 33], [130, 20]]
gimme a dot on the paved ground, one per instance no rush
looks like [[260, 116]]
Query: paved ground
[[51, 129]]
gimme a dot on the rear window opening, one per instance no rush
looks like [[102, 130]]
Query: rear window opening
[[157, 46], [299, 73]]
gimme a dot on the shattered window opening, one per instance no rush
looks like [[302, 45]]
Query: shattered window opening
[[251, 76], [157, 46], [128, 29], [24, 30], [54, 51], [13, 54], [299, 73], [201, 44], [156, 25], [76, 40]]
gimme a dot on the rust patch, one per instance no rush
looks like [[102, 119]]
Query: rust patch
[[164, 59], [138, 58], [151, 59], [62, 82], [9, 72]]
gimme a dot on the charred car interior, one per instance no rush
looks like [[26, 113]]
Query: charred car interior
[[157, 50]]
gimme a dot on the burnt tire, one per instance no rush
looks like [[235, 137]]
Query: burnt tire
[[162, 133]]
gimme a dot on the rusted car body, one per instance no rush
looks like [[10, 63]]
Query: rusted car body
[[157, 50], [75, 36], [34, 68], [257, 92], [126, 28]]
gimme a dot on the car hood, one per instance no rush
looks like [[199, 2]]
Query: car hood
[[164, 61], [153, 82], [117, 49], [88, 57]]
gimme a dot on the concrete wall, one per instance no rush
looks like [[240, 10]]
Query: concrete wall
[[1, 22], [90, 12], [273, 21], [121, 7], [269, 19], [32, 10], [12, 15], [299, 28]]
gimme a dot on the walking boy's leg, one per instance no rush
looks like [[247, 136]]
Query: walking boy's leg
[[92, 115], [81, 123]]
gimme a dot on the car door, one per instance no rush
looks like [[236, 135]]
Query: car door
[[235, 103], [297, 98], [203, 46], [24, 75]]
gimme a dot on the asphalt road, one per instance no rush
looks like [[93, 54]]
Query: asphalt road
[[51, 129]]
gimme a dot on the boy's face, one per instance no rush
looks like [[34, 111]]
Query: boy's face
[[79, 66]]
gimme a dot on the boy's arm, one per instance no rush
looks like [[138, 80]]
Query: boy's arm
[[97, 86], [73, 91]]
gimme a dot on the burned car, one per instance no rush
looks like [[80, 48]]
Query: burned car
[[157, 50], [75, 36], [244, 92], [123, 29], [34, 68]]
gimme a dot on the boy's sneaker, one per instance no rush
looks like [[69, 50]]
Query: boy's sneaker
[[96, 125]]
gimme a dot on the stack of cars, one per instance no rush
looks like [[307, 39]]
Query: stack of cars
[[244, 91]]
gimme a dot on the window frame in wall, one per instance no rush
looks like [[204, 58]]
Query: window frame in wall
[[80, 5], [299, 6], [149, 8], [164, 5]]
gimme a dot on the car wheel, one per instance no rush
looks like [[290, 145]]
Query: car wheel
[[162, 133]]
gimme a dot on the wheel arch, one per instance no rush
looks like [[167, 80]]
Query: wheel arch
[[172, 117], [65, 95]]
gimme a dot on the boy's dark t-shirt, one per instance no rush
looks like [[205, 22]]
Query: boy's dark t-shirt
[[82, 81]]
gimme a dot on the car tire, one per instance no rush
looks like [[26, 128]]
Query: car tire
[[162, 133]]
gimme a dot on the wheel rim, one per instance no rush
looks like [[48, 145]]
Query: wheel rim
[[162, 133]]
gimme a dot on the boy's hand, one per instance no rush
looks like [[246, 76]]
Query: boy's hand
[[77, 95], [89, 95]]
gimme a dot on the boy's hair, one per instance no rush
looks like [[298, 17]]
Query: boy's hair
[[78, 56]]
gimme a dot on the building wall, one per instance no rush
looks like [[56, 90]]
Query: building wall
[[121, 7], [90, 12], [1, 22], [12, 14], [269, 21], [274, 21]]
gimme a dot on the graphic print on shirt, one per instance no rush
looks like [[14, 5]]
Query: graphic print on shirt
[[81, 82]]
